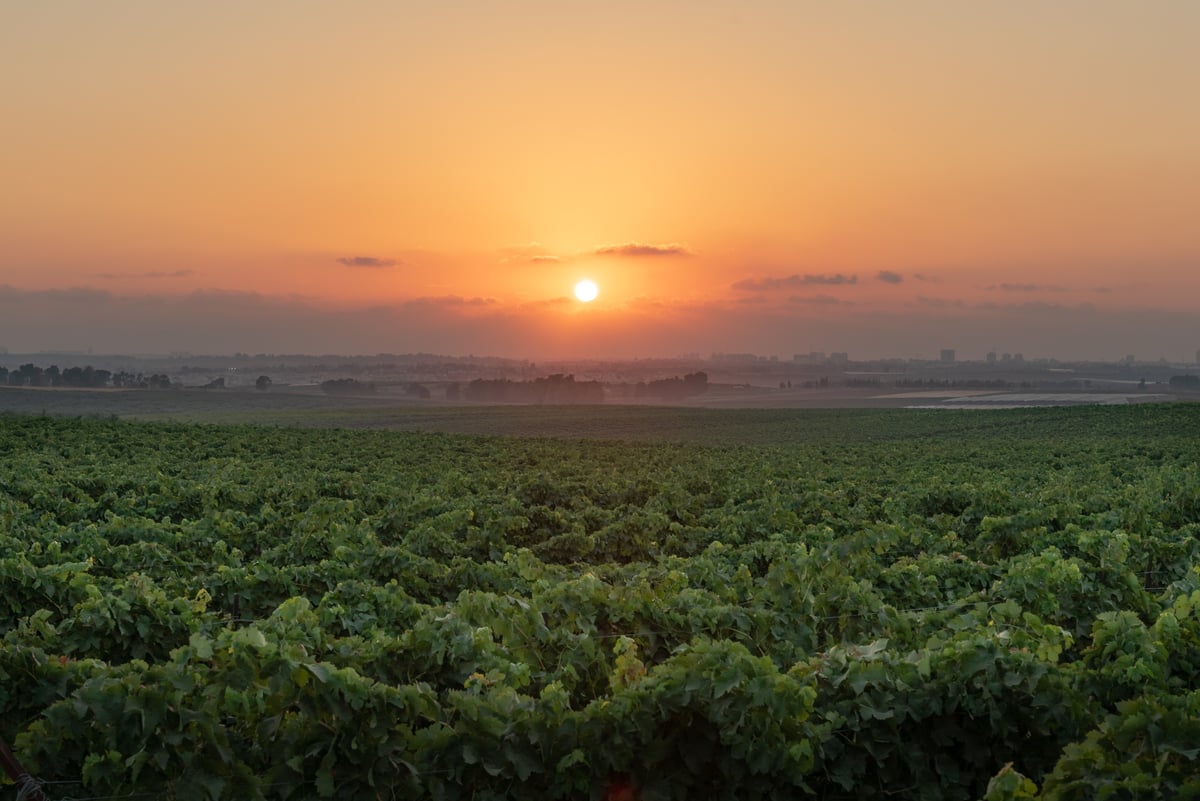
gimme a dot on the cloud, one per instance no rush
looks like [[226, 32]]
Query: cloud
[[448, 301], [638, 249], [527, 253], [214, 321], [151, 274], [939, 303], [794, 281], [647, 303], [367, 261], [820, 300], [1041, 307], [889, 277], [1028, 288], [548, 303], [71, 295]]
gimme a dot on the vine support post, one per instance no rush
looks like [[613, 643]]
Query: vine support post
[[27, 786]]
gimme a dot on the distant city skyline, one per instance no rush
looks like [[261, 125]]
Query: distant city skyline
[[947, 356]]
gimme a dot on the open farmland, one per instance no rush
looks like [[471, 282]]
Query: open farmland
[[652, 603]]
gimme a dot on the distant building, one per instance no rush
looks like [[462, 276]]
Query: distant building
[[948, 355], [1197, 356], [812, 357], [839, 357], [991, 357]]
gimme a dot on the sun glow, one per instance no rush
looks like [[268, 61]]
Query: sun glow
[[586, 291]]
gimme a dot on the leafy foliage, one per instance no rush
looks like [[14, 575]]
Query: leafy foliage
[[1008, 609]]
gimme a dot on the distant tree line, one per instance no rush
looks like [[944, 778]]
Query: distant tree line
[[675, 388], [31, 375], [557, 388]]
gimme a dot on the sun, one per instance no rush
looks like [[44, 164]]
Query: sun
[[586, 291]]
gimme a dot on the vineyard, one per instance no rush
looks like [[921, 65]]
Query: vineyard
[[900, 605]]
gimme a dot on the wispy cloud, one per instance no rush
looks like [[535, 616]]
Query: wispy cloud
[[819, 300], [639, 249], [889, 277], [794, 282], [448, 301], [548, 303], [80, 294], [1028, 288], [366, 261], [1042, 307], [939, 303], [150, 274], [527, 253]]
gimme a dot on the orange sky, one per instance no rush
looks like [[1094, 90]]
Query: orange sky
[[781, 177]]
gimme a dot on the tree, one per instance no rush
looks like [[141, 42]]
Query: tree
[[31, 375], [72, 377], [676, 387], [263, 383]]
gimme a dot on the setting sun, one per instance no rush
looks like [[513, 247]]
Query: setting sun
[[741, 178], [586, 291]]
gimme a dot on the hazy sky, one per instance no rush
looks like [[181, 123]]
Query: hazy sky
[[886, 178]]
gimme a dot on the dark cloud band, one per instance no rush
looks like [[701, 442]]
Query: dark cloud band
[[638, 249], [366, 261], [794, 282]]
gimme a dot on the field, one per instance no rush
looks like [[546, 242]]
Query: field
[[392, 408], [604, 602]]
